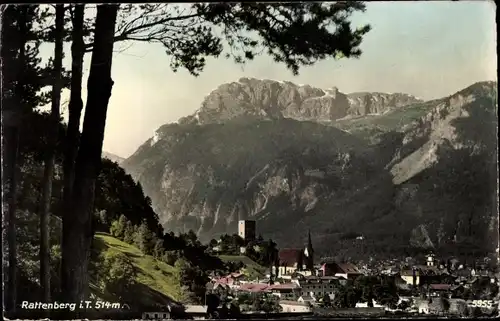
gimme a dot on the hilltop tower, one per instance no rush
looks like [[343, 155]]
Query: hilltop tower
[[246, 230]]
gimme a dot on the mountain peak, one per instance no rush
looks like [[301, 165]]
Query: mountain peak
[[276, 99]]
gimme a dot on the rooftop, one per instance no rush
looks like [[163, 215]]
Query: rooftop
[[440, 287], [289, 256]]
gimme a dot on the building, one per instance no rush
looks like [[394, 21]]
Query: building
[[296, 260], [247, 230], [317, 287], [345, 270], [286, 291], [440, 290], [289, 261], [197, 312], [294, 306], [431, 260], [411, 277]]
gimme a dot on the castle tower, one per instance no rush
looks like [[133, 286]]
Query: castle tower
[[246, 230], [309, 253]]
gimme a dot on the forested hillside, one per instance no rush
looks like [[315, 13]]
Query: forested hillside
[[130, 252]]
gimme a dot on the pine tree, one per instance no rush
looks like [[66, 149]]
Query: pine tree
[[143, 238], [22, 80], [297, 34], [50, 156], [158, 249], [77, 234], [128, 234], [118, 227]]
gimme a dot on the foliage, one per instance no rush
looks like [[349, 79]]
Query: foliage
[[346, 297], [23, 76], [326, 301], [243, 263], [404, 305], [462, 309], [158, 250], [366, 287], [118, 227], [143, 239], [386, 293], [379, 288], [28, 240], [118, 194], [118, 274], [212, 302], [259, 302], [170, 257], [154, 282], [230, 244], [266, 254], [192, 279], [191, 33], [445, 303], [483, 289]]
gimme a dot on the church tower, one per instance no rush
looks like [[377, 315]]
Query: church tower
[[309, 254]]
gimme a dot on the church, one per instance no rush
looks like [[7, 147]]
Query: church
[[292, 261]]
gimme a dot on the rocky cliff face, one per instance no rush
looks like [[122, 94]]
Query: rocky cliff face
[[361, 104], [261, 150], [208, 177], [269, 99], [448, 160]]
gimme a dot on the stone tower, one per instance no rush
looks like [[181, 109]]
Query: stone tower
[[246, 230]]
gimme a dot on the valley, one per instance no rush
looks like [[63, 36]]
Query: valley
[[262, 150]]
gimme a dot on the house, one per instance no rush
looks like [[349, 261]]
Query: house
[[254, 287], [294, 306], [286, 291], [317, 287], [345, 270], [423, 307], [231, 281], [197, 312], [365, 305], [411, 277], [309, 300], [440, 289], [215, 286]]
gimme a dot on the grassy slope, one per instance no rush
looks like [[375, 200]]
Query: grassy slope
[[156, 280], [253, 269]]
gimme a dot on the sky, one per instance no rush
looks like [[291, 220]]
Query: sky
[[430, 49]]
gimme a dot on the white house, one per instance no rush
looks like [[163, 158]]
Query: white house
[[365, 305], [295, 306], [197, 312]]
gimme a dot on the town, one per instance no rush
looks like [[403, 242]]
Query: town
[[298, 284]]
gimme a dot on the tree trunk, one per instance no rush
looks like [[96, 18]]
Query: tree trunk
[[77, 235], [10, 156], [13, 43], [75, 106], [73, 130], [50, 157]]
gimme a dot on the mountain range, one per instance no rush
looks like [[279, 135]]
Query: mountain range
[[112, 157], [402, 172]]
